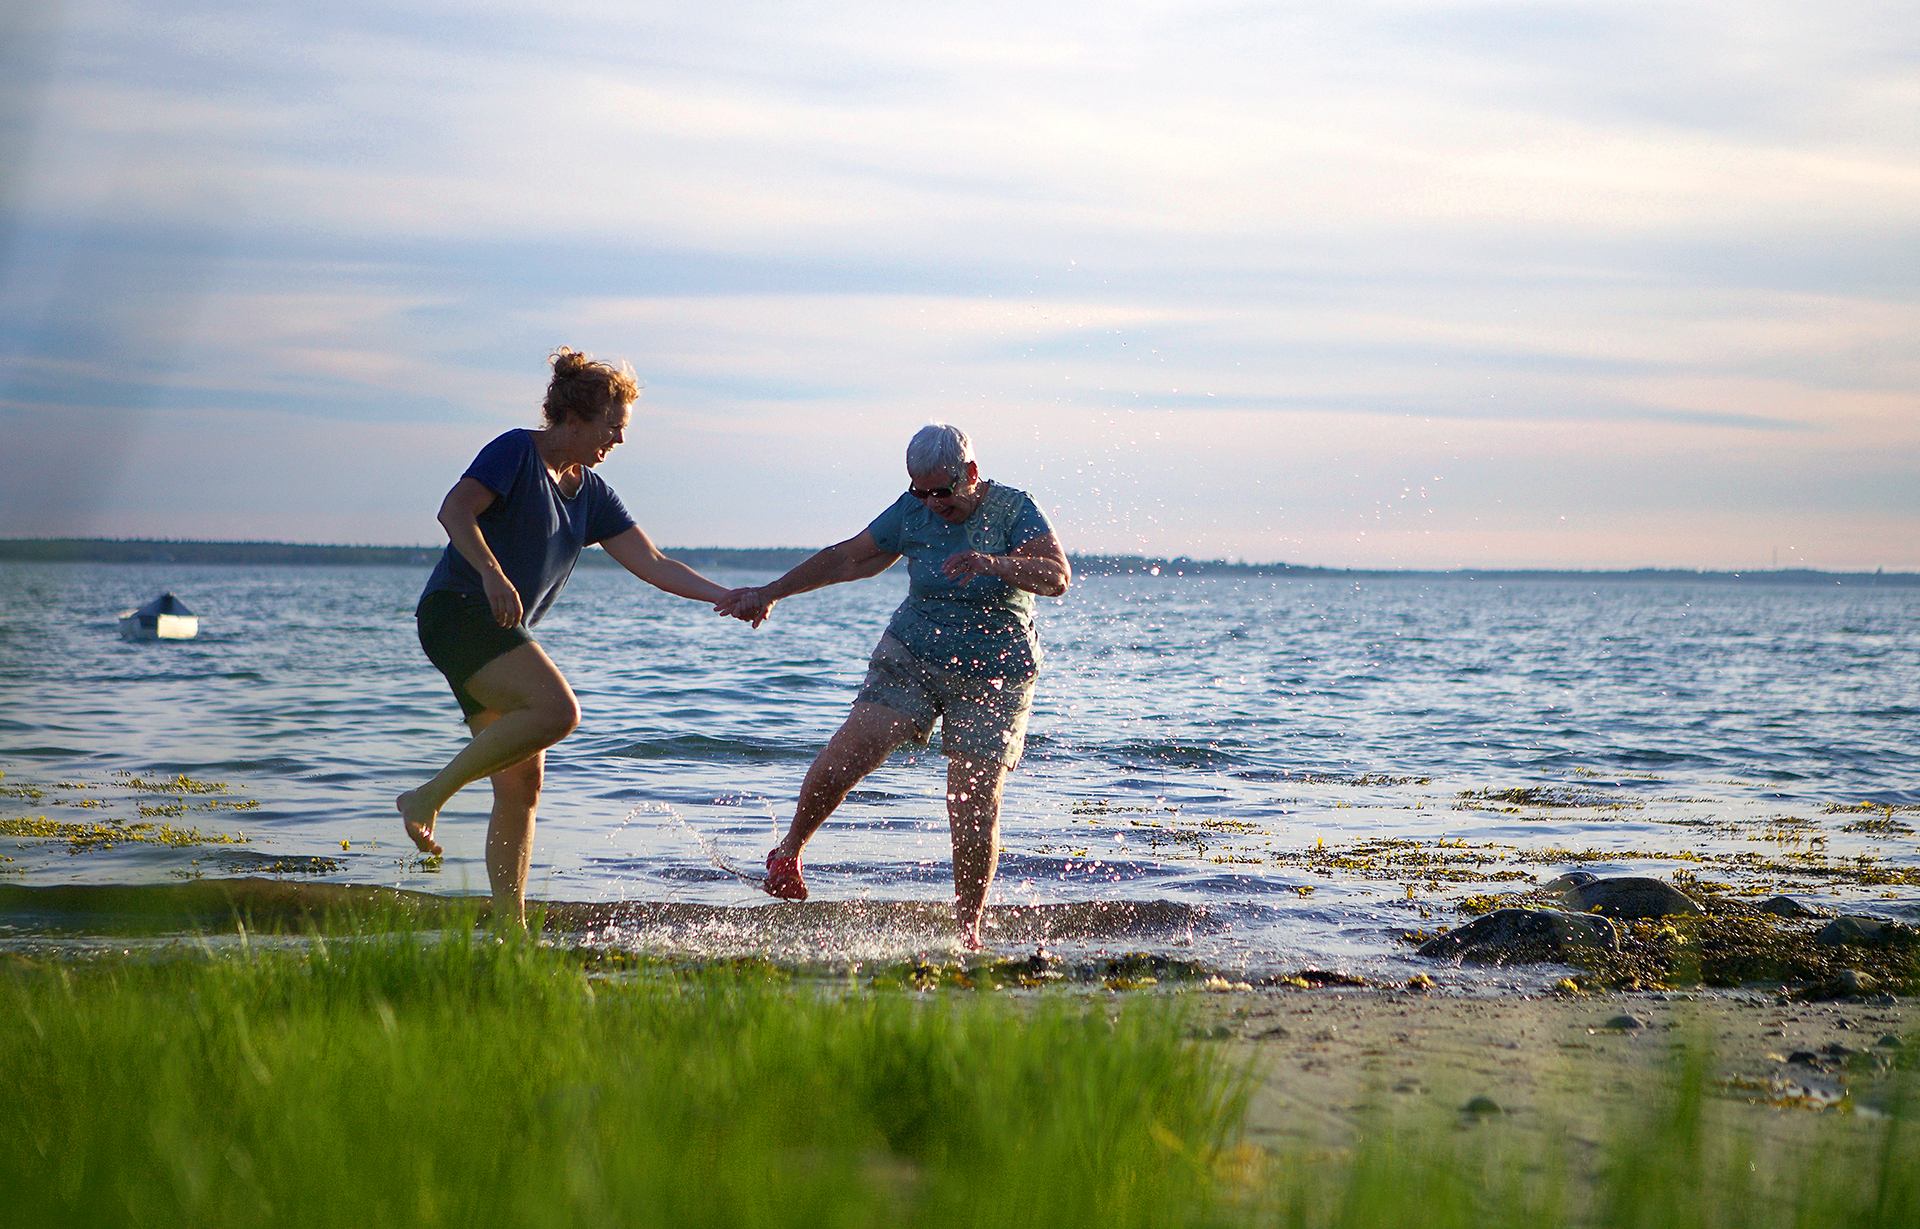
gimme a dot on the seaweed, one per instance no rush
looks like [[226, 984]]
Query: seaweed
[[1743, 947], [84, 837]]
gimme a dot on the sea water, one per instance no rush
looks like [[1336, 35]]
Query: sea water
[[1266, 772]]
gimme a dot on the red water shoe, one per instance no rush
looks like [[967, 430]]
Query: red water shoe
[[783, 877]]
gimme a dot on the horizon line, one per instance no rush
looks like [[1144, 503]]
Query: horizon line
[[125, 550]]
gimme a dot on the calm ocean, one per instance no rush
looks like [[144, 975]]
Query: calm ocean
[[1274, 771]]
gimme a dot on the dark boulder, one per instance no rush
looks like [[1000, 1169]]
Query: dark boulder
[[1630, 898], [1857, 928], [1785, 906], [1845, 984], [1525, 936]]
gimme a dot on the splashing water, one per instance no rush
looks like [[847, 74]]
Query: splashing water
[[708, 845]]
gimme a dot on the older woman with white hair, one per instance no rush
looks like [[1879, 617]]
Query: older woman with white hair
[[962, 650]]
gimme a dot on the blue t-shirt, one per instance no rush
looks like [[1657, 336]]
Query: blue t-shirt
[[981, 626], [535, 532]]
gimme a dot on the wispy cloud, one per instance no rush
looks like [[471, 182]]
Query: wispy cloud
[[1167, 260]]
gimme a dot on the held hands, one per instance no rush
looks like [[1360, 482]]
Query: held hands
[[746, 605]]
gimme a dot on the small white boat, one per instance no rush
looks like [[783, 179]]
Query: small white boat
[[164, 618]]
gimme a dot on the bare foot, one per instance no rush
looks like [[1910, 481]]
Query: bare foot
[[419, 829]]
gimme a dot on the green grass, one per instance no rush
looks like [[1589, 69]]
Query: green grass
[[402, 1079], [395, 1081]]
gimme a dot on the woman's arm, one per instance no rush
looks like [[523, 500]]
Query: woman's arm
[[1038, 565], [460, 517], [855, 559], [634, 551]]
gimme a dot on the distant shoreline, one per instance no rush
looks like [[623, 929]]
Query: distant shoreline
[[780, 558]]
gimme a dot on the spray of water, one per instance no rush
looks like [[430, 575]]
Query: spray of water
[[708, 845]]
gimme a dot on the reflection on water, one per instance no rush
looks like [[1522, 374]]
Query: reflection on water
[[1300, 768]]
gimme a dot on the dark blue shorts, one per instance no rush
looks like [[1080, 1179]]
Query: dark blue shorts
[[460, 636]]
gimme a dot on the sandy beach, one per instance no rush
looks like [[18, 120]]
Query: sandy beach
[[1334, 1065]]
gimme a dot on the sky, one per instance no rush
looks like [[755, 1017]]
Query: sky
[[1414, 284]]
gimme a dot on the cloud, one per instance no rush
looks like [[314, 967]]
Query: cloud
[[1136, 248]]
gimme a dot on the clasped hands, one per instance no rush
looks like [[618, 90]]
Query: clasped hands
[[746, 605]]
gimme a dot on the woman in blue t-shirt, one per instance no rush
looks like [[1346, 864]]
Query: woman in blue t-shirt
[[516, 523], [961, 650]]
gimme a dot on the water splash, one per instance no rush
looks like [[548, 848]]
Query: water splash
[[708, 845]]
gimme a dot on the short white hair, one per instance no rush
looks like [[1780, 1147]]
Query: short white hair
[[938, 448]]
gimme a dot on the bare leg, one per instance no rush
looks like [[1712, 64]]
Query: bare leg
[[973, 815], [516, 792], [860, 745], [529, 708]]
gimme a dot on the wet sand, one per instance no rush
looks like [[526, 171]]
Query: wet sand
[[1333, 1066]]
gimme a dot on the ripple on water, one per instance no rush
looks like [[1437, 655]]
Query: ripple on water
[[1283, 712]]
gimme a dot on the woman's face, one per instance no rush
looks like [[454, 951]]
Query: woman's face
[[951, 499], [598, 436]]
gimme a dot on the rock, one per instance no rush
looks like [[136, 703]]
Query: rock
[[1846, 984], [1420, 983], [1834, 1049], [1572, 879], [1861, 929], [1625, 1024], [1785, 906], [1804, 1058], [1480, 1106], [1523, 936], [1629, 898], [1326, 977], [1889, 1041]]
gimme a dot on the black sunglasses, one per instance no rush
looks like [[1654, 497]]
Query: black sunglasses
[[938, 492]]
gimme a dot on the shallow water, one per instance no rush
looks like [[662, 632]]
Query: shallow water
[[1286, 771]]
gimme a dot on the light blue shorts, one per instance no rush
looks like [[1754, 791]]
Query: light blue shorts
[[980, 718]]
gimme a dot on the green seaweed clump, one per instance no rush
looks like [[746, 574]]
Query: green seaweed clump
[[86, 837], [1734, 945]]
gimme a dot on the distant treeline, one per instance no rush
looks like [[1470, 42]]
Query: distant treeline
[[780, 558]]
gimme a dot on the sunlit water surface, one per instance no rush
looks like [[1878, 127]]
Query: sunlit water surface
[[1274, 772]]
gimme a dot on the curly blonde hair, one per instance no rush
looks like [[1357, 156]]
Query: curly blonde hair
[[583, 389]]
